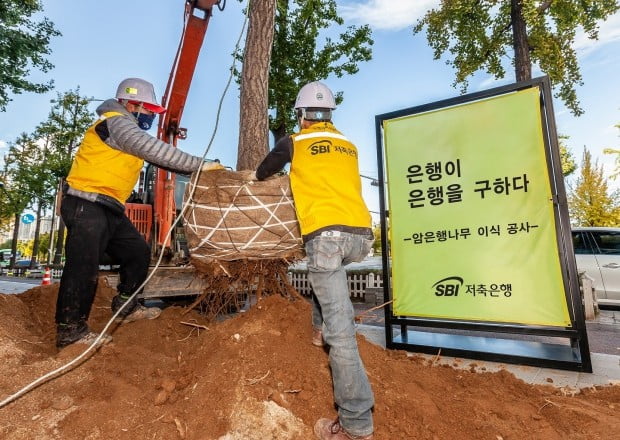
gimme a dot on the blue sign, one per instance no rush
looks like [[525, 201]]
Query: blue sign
[[27, 219]]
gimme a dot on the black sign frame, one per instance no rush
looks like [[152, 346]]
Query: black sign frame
[[543, 346]]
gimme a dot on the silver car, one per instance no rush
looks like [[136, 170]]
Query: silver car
[[597, 251]]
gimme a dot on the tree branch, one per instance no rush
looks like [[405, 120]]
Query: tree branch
[[545, 5]]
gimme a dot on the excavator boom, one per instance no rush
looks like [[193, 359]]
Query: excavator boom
[[155, 218], [197, 15]]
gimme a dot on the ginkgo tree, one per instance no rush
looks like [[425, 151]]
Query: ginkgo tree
[[482, 34], [566, 158], [615, 151], [590, 202]]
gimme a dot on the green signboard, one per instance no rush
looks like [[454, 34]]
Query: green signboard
[[471, 223]]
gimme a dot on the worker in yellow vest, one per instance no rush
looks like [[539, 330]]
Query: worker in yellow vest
[[336, 228], [105, 170]]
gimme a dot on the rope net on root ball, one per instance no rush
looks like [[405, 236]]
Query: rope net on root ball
[[242, 235]]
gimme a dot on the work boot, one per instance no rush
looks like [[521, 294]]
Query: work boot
[[91, 337], [68, 334], [119, 300], [326, 429], [133, 311], [317, 337], [140, 312]]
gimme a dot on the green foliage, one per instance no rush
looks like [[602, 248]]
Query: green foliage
[[477, 35], [298, 57], [590, 203], [64, 129], [21, 175], [307, 47], [35, 161], [23, 45], [6, 222]]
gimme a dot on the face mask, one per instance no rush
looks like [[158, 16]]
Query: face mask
[[144, 121]]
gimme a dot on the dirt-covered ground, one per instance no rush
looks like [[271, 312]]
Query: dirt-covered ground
[[256, 376]]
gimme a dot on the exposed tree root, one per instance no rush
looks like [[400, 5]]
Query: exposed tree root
[[230, 283]]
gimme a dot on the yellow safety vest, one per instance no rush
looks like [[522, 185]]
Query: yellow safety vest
[[99, 168], [325, 180]]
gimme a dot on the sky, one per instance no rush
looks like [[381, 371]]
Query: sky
[[105, 42]]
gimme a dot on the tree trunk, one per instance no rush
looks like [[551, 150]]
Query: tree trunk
[[523, 63], [14, 242], [254, 120], [35, 245], [59, 242]]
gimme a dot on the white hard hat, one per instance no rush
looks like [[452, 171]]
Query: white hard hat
[[136, 89], [315, 95]]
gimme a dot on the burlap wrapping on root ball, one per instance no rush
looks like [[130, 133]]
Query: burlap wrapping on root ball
[[233, 218]]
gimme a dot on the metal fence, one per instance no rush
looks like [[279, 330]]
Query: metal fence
[[358, 283], [30, 273]]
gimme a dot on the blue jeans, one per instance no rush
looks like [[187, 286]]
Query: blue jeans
[[327, 254]]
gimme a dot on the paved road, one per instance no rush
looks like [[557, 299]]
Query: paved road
[[17, 285]]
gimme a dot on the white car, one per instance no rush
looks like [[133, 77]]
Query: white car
[[597, 251]]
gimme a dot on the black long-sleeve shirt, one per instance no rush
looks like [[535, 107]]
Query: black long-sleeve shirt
[[277, 158]]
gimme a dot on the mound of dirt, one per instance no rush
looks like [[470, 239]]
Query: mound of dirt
[[256, 376]]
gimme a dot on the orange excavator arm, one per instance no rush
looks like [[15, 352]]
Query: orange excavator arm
[[197, 15], [154, 221]]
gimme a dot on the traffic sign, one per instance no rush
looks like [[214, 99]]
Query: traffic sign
[[27, 219]]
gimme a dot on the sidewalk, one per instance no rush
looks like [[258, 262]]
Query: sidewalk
[[605, 367]]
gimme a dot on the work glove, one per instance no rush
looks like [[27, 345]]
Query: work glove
[[210, 166]]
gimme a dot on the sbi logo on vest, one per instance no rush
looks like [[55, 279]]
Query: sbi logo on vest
[[448, 286], [320, 147]]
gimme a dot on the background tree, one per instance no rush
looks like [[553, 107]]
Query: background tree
[[23, 45], [27, 247], [10, 208], [569, 165], [63, 130], [377, 246], [6, 209], [253, 124], [479, 33], [590, 203], [304, 51], [617, 153], [21, 181]]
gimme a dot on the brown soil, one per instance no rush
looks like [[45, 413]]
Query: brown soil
[[256, 376]]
